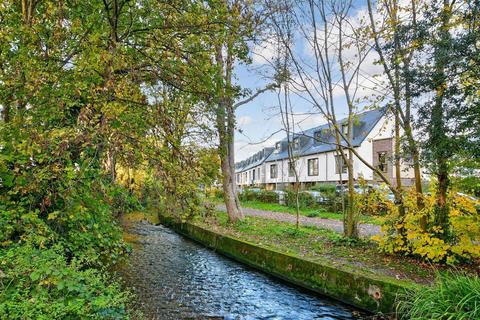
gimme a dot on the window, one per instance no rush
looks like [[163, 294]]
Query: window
[[278, 146], [296, 143], [341, 165], [317, 136], [313, 167], [258, 173], [291, 169], [254, 171], [345, 129], [382, 161], [273, 171]]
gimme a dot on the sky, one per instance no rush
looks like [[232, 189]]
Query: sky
[[259, 123]]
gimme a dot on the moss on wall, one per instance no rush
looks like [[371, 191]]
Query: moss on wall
[[365, 292]]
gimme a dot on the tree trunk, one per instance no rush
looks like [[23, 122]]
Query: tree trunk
[[297, 201], [412, 144], [438, 130], [226, 129], [6, 113], [231, 199], [398, 170], [351, 227], [113, 164]]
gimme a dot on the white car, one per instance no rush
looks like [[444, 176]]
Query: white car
[[317, 195]]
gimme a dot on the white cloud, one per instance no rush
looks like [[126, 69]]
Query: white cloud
[[264, 53], [243, 121]]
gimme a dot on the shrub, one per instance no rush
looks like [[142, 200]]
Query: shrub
[[335, 204], [57, 229], [324, 188], [463, 241], [218, 193], [248, 195], [122, 200], [41, 284], [453, 296], [267, 196], [469, 185], [373, 203], [317, 213], [305, 200]]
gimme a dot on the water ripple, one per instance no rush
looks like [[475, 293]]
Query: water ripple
[[175, 278]]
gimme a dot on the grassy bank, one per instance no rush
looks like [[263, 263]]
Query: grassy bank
[[325, 246]]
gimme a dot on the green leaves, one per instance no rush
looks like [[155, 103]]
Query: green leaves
[[41, 284]]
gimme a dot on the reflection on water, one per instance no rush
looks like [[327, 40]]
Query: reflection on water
[[175, 278]]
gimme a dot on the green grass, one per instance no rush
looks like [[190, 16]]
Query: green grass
[[318, 244], [308, 212], [454, 296]]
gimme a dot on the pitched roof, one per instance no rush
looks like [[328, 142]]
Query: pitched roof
[[362, 126], [254, 160]]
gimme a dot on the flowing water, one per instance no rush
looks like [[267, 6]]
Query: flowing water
[[175, 278]]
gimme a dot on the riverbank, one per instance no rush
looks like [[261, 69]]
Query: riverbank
[[348, 282], [175, 278]]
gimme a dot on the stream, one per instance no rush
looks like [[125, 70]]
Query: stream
[[176, 278]]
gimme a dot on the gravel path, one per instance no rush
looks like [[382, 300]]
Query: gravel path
[[366, 230]]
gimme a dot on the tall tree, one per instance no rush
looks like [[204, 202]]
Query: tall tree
[[239, 24], [451, 43], [396, 47], [322, 26]]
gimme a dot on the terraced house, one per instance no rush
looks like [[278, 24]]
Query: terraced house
[[317, 159]]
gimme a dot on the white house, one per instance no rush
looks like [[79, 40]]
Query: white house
[[317, 159]]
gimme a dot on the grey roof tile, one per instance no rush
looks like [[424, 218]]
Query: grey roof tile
[[363, 125]]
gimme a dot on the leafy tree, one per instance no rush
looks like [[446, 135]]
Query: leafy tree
[[451, 41]]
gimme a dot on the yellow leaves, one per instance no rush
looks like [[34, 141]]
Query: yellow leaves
[[48, 281], [463, 244], [53, 215]]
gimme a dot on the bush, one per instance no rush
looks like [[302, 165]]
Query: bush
[[218, 193], [305, 200], [57, 229], [462, 243], [267, 196], [468, 185], [122, 200], [41, 284], [317, 213], [454, 296], [248, 195], [373, 203], [324, 188]]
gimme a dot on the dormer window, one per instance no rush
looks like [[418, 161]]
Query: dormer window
[[278, 146], [345, 129], [296, 143], [317, 136]]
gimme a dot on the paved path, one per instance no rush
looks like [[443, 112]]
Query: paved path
[[366, 230]]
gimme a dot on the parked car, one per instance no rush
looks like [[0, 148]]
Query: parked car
[[317, 195], [281, 196], [341, 188]]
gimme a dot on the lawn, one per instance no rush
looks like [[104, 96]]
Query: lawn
[[308, 212]]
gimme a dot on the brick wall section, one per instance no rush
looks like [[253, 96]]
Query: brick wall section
[[384, 145]]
